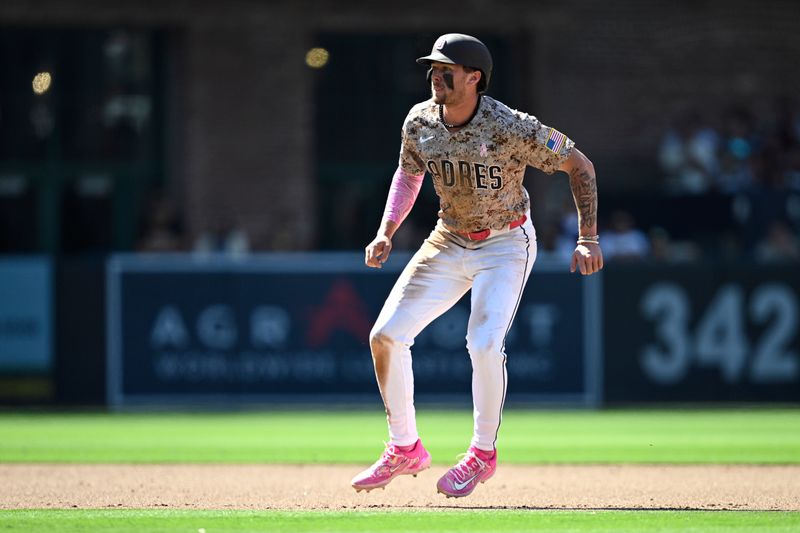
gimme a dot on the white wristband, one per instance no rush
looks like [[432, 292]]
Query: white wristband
[[589, 239]]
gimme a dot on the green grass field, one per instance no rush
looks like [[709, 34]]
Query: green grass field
[[124, 521], [752, 436], [526, 437]]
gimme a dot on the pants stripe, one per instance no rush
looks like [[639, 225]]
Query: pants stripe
[[511, 321]]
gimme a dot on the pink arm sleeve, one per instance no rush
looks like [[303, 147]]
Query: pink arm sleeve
[[402, 195]]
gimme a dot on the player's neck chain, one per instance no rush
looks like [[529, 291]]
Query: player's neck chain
[[451, 126]]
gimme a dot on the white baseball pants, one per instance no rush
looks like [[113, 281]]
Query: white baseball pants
[[437, 276]]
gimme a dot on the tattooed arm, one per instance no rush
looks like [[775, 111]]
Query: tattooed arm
[[588, 258]]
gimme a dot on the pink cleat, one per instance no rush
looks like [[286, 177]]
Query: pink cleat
[[394, 462], [474, 467]]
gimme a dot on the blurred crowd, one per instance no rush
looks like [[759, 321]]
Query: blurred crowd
[[742, 150], [751, 155], [163, 231], [742, 163]]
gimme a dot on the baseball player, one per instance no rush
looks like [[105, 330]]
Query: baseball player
[[475, 149]]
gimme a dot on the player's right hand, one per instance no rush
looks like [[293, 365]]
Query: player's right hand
[[377, 252]]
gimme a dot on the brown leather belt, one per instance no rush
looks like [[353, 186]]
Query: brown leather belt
[[484, 233]]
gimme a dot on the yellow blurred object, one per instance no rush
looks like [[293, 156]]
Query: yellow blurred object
[[41, 82], [317, 57]]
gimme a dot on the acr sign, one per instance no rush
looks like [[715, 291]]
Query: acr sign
[[296, 327]]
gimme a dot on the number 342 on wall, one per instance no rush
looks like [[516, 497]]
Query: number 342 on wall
[[720, 338]]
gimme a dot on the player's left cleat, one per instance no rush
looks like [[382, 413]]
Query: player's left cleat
[[475, 466]]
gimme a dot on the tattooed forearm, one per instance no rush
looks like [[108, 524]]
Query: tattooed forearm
[[584, 190]]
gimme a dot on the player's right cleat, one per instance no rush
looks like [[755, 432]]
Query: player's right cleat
[[475, 466], [394, 462]]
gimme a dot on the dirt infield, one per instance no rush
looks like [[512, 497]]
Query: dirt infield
[[327, 487]]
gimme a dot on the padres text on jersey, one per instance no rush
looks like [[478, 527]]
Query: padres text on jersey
[[478, 170]]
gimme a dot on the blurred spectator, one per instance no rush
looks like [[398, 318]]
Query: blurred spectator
[[568, 220], [563, 234], [664, 249], [553, 244], [791, 172], [738, 158], [163, 231], [779, 244], [622, 240], [688, 155], [786, 121], [225, 237]]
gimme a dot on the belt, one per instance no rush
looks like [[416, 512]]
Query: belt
[[484, 233]]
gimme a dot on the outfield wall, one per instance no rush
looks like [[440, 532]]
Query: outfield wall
[[294, 327]]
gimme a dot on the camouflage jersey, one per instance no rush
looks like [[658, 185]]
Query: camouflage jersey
[[478, 170]]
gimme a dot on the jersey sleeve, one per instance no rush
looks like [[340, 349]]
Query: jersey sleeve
[[546, 148], [410, 161]]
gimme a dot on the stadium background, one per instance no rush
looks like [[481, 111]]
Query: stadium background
[[185, 191], [219, 129]]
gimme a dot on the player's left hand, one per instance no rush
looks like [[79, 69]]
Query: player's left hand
[[588, 258]]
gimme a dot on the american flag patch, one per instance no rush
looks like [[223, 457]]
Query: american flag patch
[[555, 141]]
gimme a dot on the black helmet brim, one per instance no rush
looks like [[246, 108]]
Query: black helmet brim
[[435, 56]]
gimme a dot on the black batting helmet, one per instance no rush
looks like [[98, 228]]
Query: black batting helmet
[[460, 49]]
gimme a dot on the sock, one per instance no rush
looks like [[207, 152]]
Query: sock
[[483, 455], [408, 448]]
